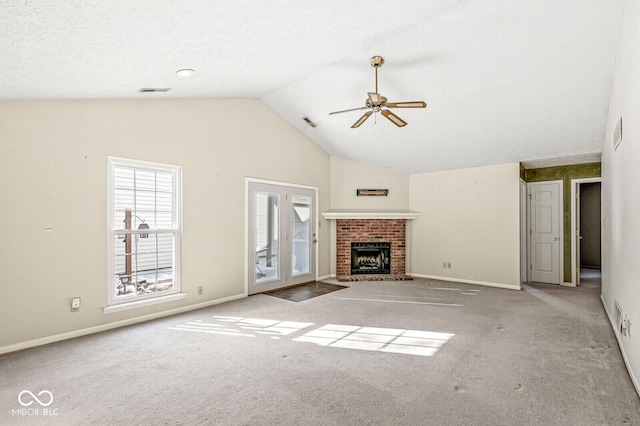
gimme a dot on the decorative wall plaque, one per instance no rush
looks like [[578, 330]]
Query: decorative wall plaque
[[372, 192]]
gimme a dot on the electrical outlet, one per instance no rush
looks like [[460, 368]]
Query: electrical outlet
[[448, 264], [75, 304], [444, 264], [200, 291]]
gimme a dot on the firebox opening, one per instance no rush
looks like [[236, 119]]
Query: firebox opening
[[371, 258]]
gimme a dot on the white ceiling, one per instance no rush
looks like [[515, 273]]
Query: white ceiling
[[505, 81]]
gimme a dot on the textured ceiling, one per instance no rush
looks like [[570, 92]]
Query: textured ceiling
[[505, 81]]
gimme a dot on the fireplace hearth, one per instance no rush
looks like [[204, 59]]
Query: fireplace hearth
[[370, 258]]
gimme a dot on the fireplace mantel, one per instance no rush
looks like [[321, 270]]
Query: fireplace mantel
[[370, 214]]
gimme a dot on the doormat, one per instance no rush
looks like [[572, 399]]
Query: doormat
[[305, 292], [375, 277]]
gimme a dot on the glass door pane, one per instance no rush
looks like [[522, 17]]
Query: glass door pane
[[302, 233], [281, 235], [266, 236]]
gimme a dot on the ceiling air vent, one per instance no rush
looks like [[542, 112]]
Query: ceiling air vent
[[309, 122], [154, 89]]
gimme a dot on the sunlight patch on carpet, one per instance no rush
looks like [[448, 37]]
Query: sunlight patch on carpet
[[379, 339], [408, 342], [236, 326]]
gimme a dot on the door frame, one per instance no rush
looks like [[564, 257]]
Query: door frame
[[524, 240], [560, 212], [247, 182], [575, 231]]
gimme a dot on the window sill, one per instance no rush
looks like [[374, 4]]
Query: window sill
[[141, 303]]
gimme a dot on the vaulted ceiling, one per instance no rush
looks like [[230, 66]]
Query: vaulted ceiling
[[505, 81]]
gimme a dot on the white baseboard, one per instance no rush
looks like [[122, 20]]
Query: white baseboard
[[326, 277], [104, 327], [460, 280], [616, 332]]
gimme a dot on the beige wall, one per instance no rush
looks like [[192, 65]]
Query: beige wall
[[347, 176], [470, 218], [620, 183], [53, 174]]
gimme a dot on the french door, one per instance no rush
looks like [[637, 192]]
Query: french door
[[281, 236]]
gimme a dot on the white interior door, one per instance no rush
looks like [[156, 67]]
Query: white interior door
[[545, 220], [282, 236]]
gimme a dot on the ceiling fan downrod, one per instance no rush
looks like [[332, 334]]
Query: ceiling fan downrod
[[377, 62]]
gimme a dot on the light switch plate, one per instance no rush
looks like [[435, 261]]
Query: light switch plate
[[75, 304]]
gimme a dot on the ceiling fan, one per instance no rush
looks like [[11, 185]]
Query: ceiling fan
[[375, 102]]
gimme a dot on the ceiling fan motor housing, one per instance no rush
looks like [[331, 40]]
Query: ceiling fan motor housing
[[376, 105]]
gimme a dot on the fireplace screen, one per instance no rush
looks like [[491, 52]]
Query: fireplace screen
[[371, 258]]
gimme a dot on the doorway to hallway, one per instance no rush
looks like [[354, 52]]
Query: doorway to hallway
[[591, 276], [587, 231]]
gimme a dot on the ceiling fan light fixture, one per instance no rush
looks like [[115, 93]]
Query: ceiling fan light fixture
[[375, 98]]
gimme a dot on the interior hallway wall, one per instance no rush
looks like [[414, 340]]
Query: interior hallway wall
[[620, 183]]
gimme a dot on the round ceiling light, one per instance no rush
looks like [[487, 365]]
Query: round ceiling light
[[186, 72]]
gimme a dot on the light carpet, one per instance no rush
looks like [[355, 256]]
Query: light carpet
[[419, 352]]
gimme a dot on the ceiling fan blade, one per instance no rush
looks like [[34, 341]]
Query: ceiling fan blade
[[362, 119], [394, 118], [374, 98], [413, 104], [348, 110]]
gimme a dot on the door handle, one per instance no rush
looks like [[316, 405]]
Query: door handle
[[555, 238], [315, 241]]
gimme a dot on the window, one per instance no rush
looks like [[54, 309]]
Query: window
[[144, 230]]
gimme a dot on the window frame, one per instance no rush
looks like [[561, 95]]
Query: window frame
[[114, 303]]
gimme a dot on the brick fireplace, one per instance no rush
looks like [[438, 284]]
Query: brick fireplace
[[350, 231]]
